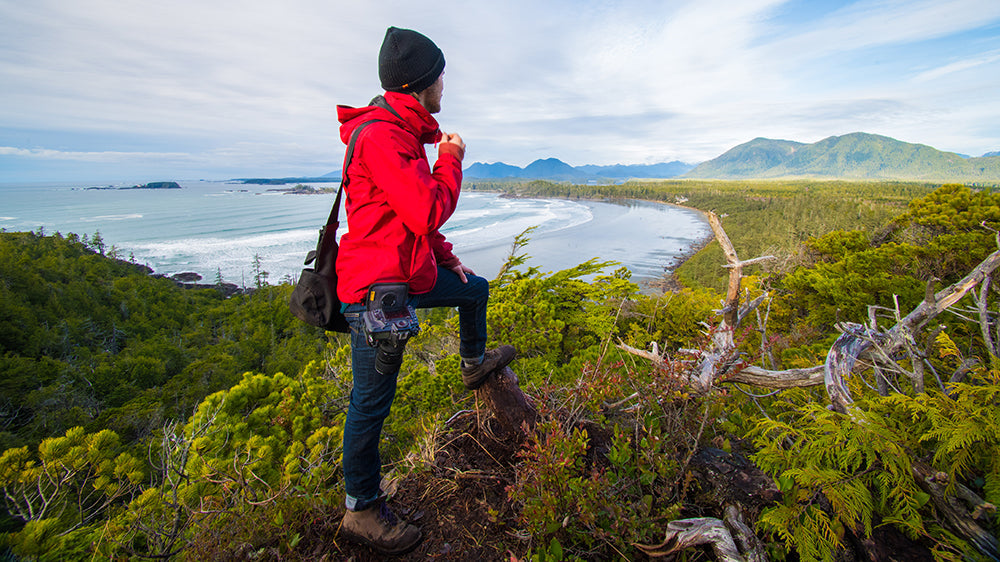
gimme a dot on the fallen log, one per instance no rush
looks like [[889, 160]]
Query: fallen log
[[789, 378], [857, 340], [955, 515]]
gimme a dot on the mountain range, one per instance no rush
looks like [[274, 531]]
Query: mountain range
[[555, 169], [851, 156]]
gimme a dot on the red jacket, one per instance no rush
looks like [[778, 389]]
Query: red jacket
[[395, 203]]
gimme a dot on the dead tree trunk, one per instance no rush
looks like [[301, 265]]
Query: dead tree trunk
[[513, 410], [856, 342], [717, 360]]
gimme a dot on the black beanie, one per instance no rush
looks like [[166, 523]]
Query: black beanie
[[408, 61]]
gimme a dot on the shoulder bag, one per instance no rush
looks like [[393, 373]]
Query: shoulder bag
[[314, 299]]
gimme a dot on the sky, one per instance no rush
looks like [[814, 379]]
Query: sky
[[122, 91]]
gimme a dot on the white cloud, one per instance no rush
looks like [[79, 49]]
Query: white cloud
[[871, 23], [958, 66], [225, 84], [105, 156]]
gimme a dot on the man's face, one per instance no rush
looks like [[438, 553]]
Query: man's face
[[430, 97]]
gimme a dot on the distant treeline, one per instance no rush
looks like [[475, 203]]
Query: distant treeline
[[284, 181], [760, 216]]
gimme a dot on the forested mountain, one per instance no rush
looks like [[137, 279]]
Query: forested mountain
[[142, 420], [557, 170], [852, 156]]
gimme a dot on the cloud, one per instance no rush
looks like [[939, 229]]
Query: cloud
[[218, 85], [867, 24], [106, 156], [957, 66]]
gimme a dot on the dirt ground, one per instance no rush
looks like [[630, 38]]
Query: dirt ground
[[460, 504]]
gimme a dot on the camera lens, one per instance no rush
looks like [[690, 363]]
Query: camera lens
[[389, 357]]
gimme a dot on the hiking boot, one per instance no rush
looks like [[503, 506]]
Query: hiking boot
[[379, 528], [493, 361]]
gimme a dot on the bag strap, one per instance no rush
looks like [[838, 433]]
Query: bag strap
[[378, 101], [345, 179]]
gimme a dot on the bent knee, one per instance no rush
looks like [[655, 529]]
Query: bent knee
[[479, 285]]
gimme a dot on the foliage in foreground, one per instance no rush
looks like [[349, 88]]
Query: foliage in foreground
[[259, 459]]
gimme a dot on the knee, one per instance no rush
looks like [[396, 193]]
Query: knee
[[479, 287]]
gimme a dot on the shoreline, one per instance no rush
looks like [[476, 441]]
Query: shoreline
[[217, 232], [665, 282]]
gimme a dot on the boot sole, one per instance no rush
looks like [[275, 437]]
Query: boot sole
[[390, 551]]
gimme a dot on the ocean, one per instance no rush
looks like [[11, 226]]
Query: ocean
[[219, 228]]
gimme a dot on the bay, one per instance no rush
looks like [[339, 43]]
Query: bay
[[219, 228]]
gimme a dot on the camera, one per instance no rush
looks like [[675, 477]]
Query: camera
[[389, 322]]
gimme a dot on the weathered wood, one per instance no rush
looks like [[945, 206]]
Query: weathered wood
[[857, 339], [711, 361], [753, 548], [840, 361], [954, 514], [929, 309], [504, 398], [789, 378], [855, 342], [844, 354], [731, 310], [685, 533], [984, 316], [656, 358]]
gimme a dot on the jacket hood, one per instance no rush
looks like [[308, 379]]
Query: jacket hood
[[413, 117]]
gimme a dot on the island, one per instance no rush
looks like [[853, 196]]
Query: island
[[285, 181], [301, 189], [156, 185], [150, 185]]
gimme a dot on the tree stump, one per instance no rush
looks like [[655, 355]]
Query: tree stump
[[514, 412]]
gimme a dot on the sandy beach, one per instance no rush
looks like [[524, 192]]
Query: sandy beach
[[651, 238]]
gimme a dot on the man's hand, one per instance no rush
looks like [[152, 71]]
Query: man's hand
[[454, 139], [461, 270]]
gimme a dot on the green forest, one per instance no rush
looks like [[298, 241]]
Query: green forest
[[140, 419]]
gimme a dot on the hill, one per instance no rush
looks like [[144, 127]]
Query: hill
[[145, 420], [854, 156], [557, 170]]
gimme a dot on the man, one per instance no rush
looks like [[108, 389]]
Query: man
[[396, 205]]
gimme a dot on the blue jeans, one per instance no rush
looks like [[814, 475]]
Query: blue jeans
[[372, 395]]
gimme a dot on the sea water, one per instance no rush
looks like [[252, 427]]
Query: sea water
[[219, 228]]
